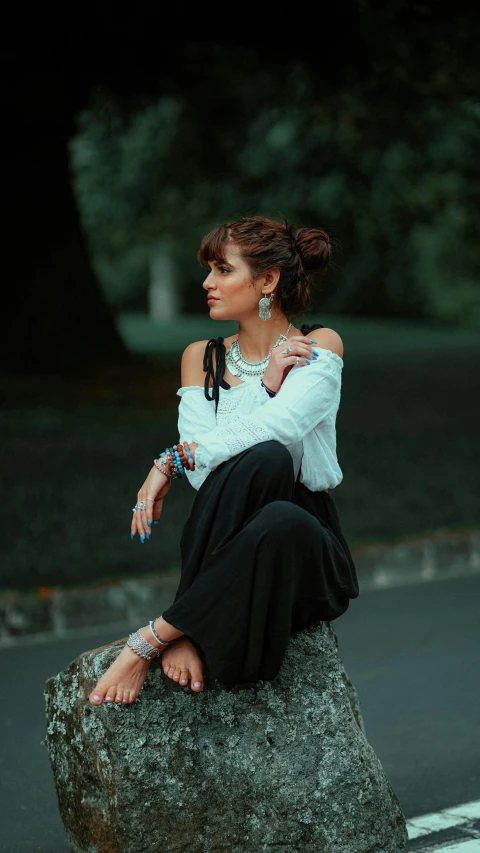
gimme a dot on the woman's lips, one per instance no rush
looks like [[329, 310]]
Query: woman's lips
[[212, 299]]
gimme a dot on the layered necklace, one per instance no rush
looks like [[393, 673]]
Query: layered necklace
[[249, 370]]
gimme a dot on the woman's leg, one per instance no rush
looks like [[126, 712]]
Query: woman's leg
[[228, 496], [255, 566]]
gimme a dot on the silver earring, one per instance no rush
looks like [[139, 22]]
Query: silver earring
[[264, 307]]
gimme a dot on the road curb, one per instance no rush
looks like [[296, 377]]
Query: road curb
[[57, 611]]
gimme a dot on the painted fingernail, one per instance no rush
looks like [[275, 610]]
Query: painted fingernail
[[142, 540], [315, 352], [315, 355], [312, 341], [132, 535], [155, 522], [147, 534], [148, 522], [307, 362]]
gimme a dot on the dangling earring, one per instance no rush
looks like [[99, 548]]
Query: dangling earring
[[264, 307]]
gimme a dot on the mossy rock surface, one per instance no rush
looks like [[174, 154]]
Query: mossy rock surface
[[280, 766]]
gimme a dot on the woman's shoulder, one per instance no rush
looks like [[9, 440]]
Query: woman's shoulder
[[192, 371], [329, 339], [193, 367]]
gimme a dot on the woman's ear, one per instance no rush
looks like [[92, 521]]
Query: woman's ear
[[272, 278]]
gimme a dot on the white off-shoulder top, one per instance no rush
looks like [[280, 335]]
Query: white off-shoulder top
[[301, 416]]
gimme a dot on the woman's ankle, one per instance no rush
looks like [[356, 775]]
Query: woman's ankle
[[166, 631]]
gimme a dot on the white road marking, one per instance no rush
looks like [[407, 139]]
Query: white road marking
[[436, 821], [472, 846]]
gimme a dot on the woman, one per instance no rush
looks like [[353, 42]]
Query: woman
[[262, 552]]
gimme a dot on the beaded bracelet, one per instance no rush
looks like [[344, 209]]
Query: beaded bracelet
[[175, 460]]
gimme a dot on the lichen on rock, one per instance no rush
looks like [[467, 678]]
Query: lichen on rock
[[280, 766]]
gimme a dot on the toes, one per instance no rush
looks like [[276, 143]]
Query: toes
[[97, 696], [111, 693], [171, 671], [176, 674], [197, 679], [119, 696], [184, 676]]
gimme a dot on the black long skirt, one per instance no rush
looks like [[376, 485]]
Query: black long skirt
[[262, 557]]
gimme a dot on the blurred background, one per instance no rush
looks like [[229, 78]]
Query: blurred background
[[131, 136]]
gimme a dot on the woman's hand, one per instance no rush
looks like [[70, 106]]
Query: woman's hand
[[280, 364], [152, 493]]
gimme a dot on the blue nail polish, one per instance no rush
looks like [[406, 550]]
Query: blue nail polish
[[132, 535], [142, 540], [148, 522], [155, 522], [312, 341], [307, 362], [147, 534]]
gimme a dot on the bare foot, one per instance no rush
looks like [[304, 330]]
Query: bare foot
[[124, 679], [181, 662]]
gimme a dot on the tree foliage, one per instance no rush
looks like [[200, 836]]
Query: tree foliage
[[398, 190]]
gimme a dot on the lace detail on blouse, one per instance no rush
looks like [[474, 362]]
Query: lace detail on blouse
[[239, 437], [227, 405]]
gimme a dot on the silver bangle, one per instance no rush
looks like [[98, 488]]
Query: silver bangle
[[140, 646]]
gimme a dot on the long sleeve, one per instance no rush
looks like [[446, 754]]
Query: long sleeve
[[307, 396], [196, 416]]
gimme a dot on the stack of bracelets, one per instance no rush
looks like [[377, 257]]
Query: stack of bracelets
[[174, 460]]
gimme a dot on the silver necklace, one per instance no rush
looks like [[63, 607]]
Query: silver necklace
[[248, 370]]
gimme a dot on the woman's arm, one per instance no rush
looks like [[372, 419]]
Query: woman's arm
[[196, 414], [307, 396]]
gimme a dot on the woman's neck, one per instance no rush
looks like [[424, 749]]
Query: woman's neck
[[257, 340]]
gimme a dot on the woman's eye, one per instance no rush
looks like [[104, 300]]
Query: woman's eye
[[223, 269]]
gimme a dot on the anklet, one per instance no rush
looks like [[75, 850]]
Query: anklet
[[159, 639], [141, 646]]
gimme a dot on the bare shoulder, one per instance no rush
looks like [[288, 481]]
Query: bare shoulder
[[192, 362], [192, 372], [329, 339]]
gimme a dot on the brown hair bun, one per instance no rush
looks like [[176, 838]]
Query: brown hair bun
[[313, 246]]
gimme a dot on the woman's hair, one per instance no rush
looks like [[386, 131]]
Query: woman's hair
[[265, 244]]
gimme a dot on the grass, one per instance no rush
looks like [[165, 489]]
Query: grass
[[75, 453]]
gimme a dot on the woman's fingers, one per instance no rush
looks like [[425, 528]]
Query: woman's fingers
[[149, 503], [141, 519], [133, 526], [144, 519]]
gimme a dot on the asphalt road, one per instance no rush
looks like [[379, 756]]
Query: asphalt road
[[412, 653]]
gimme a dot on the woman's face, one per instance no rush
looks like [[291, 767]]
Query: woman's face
[[231, 284]]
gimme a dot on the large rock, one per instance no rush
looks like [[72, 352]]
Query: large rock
[[280, 766]]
